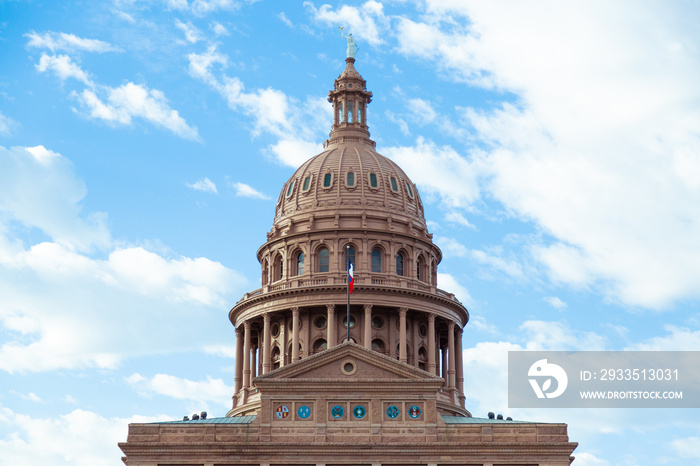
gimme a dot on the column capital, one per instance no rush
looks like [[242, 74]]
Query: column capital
[[403, 311], [451, 326], [368, 308], [295, 311], [266, 317], [431, 317], [330, 307]]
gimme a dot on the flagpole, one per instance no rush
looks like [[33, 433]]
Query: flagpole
[[347, 277]]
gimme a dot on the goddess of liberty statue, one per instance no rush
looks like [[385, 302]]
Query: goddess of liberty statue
[[352, 47]]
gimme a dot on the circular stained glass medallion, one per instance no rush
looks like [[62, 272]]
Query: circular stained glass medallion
[[392, 412], [282, 412], [414, 412], [337, 411], [304, 412], [358, 412]]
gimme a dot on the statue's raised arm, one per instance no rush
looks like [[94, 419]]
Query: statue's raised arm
[[352, 47]]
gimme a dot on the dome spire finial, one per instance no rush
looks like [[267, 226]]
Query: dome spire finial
[[349, 98]]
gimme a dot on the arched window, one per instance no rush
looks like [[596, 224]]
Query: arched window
[[351, 179], [323, 260], [350, 255], [378, 345], [275, 356], [373, 180], [320, 345], [277, 268], [376, 260], [419, 276], [300, 263], [291, 189], [399, 264], [350, 120], [340, 112], [359, 113], [394, 186], [264, 273], [327, 179]]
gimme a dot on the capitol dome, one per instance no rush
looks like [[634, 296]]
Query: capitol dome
[[349, 205]]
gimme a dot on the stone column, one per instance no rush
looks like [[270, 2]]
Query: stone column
[[451, 354], [431, 343], [267, 343], [238, 377], [295, 334], [460, 367], [402, 334], [368, 326], [246, 355], [330, 325]]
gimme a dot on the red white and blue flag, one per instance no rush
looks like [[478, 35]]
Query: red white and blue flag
[[351, 280]]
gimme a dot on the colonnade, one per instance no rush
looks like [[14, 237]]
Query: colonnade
[[248, 364]]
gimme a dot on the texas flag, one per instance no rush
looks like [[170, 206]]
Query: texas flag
[[351, 280]]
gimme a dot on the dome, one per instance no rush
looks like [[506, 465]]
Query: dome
[[346, 178]]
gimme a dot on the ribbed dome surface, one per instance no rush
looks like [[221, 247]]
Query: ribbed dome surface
[[350, 176]]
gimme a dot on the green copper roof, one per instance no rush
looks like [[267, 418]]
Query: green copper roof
[[214, 420]]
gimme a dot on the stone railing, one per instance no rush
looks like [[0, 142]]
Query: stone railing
[[366, 279]]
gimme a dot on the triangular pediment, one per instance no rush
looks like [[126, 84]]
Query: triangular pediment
[[349, 362]]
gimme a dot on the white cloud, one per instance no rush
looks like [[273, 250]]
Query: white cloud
[[292, 123], [7, 125], [491, 258], [64, 67], [56, 41], [192, 34], [555, 302], [365, 22], [588, 459], [450, 284], [438, 170], [458, 218], [676, 339], [219, 29], [688, 447], [204, 184], [65, 299], [557, 336], [203, 392], [92, 438], [600, 147], [122, 104], [245, 190], [283, 17]]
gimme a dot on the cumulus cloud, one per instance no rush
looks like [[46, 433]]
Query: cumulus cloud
[[599, 148], [66, 298], [57, 41], [114, 105], [452, 285], [192, 34], [122, 104], [204, 184], [555, 302], [245, 190], [202, 392], [92, 438], [294, 124]]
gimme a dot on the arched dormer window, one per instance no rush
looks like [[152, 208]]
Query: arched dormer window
[[350, 179], [323, 260], [376, 260], [307, 184], [373, 182], [327, 180], [300, 263], [394, 185], [408, 188], [290, 190], [399, 264]]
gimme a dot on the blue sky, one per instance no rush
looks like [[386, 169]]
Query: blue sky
[[556, 146]]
